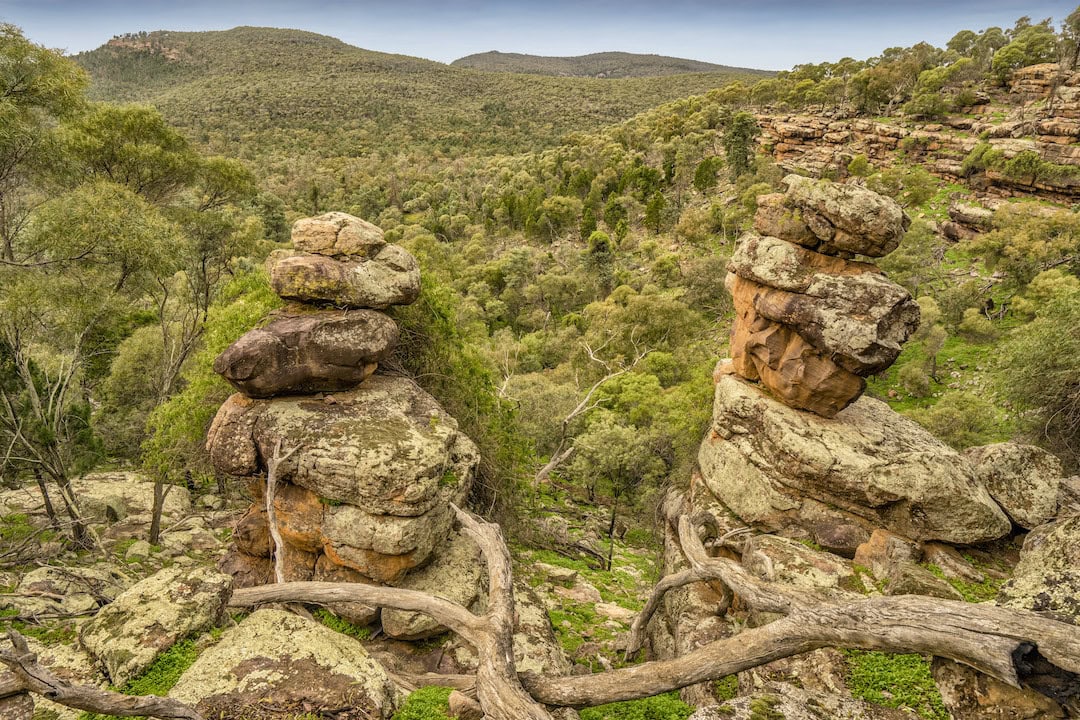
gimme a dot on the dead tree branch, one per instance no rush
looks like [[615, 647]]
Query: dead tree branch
[[28, 676]]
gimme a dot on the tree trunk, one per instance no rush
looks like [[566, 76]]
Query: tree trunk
[[161, 491], [50, 511], [611, 531]]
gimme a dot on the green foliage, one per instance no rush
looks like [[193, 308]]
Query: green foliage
[[860, 166], [972, 592], [739, 136], [1026, 240], [1032, 45], [595, 65], [658, 707], [1038, 370], [176, 429], [897, 681], [963, 420], [428, 703], [341, 625]]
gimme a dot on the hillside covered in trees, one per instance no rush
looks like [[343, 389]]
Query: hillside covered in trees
[[573, 237], [595, 65]]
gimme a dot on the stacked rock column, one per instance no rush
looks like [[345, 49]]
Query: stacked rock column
[[810, 321], [369, 461]]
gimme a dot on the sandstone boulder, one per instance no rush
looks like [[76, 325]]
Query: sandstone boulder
[[1047, 578], [386, 446], [149, 617], [310, 353], [780, 560], [857, 321], [454, 573], [774, 218], [848, 218], [783, 265], [884, 551], [277, 659], [390, 276], [762, 458], [337, 233], [912, 579], [1023, 479]]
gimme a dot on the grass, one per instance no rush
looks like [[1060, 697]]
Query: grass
[[342, 626], [429, 703], [895, 681], [972, 592], [658, 707]]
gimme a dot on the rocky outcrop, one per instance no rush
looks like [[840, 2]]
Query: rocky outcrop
[[294, 665], [1023, 479], [791, 702], [308, 353], [764, 461], [370, 465], [810, 322], [127, 635]]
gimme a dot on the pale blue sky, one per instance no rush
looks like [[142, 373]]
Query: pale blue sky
[[774, 34]]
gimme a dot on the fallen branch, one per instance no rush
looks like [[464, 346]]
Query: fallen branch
[[28, 676]]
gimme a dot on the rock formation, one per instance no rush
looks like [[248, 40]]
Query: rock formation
[[811, 322], [369, 462]]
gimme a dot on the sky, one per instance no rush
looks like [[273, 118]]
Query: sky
[[767, 34]]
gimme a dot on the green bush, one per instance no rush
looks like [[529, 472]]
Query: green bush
[[895, 681]]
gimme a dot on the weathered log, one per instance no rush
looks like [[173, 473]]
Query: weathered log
[[36, 679]]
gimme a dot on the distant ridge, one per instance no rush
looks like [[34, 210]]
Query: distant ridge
[[596, 65]]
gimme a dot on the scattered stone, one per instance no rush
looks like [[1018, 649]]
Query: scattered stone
[[1047, 578], [784, 700], [108, 497], [1023, 479], [60, 590], [884, 550], [390, 276], [17, 707], [293, 664], [138, 550], [762, 458], [952, 563], [969, 695], [337, 233], [615, 612], [314, 352], [581, 592], [556, 574], [149, 617], [911, 579], [789, 562]]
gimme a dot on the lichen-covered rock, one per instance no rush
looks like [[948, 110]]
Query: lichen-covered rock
[[912, 579], [790, 702], [149, 617], [783, 265], [386, 446], [885, 550], [848, 218], [1023, 479], [384, 547], [112, 496], [858, 321], [337, 233], [969, 695], [302, 354], [63, 590], [763, 458], [454, 573], [390, 276], [278, 660], [780, 560], [774, 218], [1047, 578], [69, 663], [1068, 502]]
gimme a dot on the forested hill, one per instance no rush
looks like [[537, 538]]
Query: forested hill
[[596, 65], [250, 91]]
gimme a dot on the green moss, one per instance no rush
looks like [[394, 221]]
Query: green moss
[[659, 707], [341, 625], [726, 688], [429, 703], [895, 681], [763, 708]]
